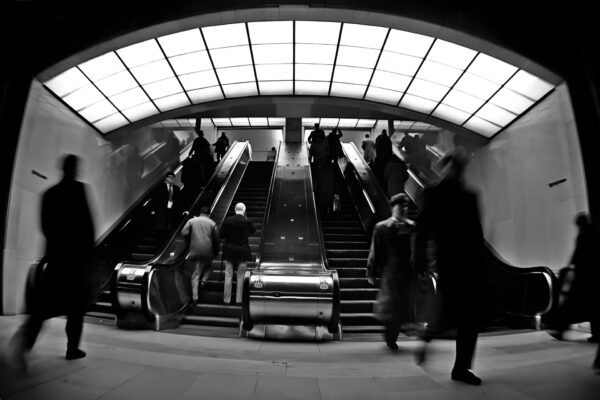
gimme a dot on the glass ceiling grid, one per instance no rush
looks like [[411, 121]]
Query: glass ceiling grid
[[91, 105], [212, 63], [416, 72], [252, 58], [337, 49], [488, 100], [377, 62], [453, 85], [138, 83], [317, 58], [173, 70]]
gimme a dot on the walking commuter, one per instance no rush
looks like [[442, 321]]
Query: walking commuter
[[317, 133], [582, 301], [450, 217], [395, 175], [192, 177], [272, 154], [320, 158], [335, 146], [383, 153], [221, 146], [368, 147], [390, 260], [166, 205], [68, 228], [204, 247], [236, 250]]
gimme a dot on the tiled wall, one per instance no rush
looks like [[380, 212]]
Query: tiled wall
[[528, 222]]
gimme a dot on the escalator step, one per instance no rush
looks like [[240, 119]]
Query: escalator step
[[210, 321], [335, 245]]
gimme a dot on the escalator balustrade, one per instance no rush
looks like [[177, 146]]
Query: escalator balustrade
[[253, 191]]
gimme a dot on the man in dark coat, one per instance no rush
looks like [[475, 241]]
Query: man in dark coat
[[317, 133], [450, 217], [389, 259], [221, 146], [395, 175], [70, 240], [582, 301], [236, 250], [166, 205], [383, 153]]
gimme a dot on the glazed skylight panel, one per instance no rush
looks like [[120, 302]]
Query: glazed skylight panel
[[230, 53], [315, 49], [374, 63], [273, 52], [359, 49]]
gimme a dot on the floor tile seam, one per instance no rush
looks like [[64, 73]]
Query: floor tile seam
[[48, 380], [144, 369]]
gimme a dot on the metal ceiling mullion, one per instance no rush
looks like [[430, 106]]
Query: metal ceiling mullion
[[337, 49], [377, 62], [416, 72], [212, 63], [252, 58], [173, 70]]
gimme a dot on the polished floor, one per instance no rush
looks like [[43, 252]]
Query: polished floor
[[157, 365]]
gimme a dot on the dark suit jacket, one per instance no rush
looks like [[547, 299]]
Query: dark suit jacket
[[159, 205], [235, 231], [69, 230], [450, 217]]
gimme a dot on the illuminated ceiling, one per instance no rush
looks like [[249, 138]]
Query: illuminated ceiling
[[301, 58]]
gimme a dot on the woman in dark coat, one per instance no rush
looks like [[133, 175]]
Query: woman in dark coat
[[390, 260]]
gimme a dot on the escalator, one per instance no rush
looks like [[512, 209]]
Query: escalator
[[520, 295], [134, 238], [253, 191], [347, 250]]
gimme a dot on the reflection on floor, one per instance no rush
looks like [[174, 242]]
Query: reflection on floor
[[157, 365]]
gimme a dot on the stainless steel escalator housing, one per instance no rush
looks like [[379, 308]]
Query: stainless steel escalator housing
[[155, 294], [291, 284]]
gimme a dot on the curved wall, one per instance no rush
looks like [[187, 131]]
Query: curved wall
[[117, 172], [526, 214]]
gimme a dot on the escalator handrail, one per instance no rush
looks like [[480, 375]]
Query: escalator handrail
[[324, 261], [493, 257], [267, 209], [380, 192], [160, 254], [184, 253]]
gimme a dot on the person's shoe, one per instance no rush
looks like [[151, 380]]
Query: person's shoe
[[466, 376], [195, 301], [75, 354], [392, 345], [421, 353], [558, 335], [202, 285], [594, 339]]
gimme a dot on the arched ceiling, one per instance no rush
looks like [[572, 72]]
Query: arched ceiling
[[437, 74]]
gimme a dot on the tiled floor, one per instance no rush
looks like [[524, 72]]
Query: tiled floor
[[153, 365]]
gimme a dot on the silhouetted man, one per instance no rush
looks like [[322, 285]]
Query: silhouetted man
[[236, 250], [69, 231], [368, 147], [317, 133], [221, 146], [383, 153], [450, 217]]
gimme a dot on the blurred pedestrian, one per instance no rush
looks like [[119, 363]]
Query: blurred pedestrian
[[390, 259], [68, 228], [383, 154], [395, 176], [204, 247], [581, 301], [236, 250], [368, 147], [450, 217]]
